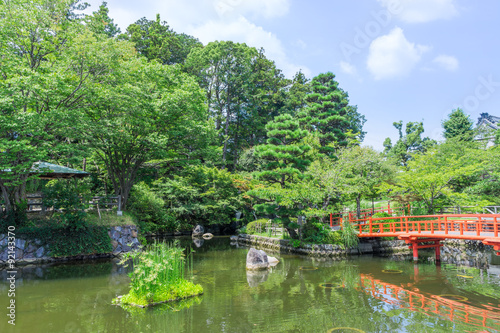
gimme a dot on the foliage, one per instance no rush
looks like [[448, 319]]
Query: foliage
[[150, 211], [286, 163], [244, 90], [201, 195], [325, 113], [408, 144], [159, 275], [66, 241], [110, 219], [316, 233], [254, 226], [156, 41], [458, 125], [100, 22], [349, 235], [429, 177], [68, 197]]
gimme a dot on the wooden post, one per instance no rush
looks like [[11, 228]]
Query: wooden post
[[415, 251], [331, 220], [370, 223], [438, 251]]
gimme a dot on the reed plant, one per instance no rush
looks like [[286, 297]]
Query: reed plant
[[159, 275]]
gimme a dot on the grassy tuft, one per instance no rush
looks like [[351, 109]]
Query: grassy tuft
[[159, 276], [110, 219]]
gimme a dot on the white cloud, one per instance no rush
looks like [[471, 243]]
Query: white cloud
[[447, 62], [392, 55], [420, 11], [244, 31], [347, 67]]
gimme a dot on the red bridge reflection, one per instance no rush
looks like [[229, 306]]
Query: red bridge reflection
[[452, 307]]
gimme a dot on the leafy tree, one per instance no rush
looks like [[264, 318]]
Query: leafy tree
[[155, 40], [429, 176], [286, 159], [459, 125], [408, 144], [100, 22], [48, 62], [201, 195], [365, 169], [242, 91], [296, 93], [142, 111]]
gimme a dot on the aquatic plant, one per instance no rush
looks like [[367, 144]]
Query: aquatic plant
[[159, 275]]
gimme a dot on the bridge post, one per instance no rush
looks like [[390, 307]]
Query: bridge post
[[415, 251], [331, 220], [438, 251]]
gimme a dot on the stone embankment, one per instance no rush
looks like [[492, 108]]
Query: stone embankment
[[123, 239], [323, 250]]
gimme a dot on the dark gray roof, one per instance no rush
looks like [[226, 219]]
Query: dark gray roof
[[49, 170], [487, 120]]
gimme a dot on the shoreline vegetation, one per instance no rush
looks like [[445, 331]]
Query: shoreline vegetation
[[159, 276]]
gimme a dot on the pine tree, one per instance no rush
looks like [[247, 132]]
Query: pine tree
[[286, 163], [459, 125], [326, 112]]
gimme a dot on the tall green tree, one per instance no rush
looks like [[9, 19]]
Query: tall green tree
[[155, 40], [326, 112], [458, 125], [242, 90], [286, 162], [431, 176], [48, 62], [100, 22], [142, 111], [408, 143]]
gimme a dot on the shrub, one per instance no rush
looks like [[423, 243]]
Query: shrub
[[69, 198], [149, 209], [316, 233], [253, 227]]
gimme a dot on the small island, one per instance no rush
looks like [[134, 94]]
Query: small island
[[158, 276]]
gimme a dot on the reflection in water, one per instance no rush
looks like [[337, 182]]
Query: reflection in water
[[255, 277], [198, 242], [354, 293]]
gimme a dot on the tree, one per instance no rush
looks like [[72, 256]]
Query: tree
[[100, 22], [459, 125], [429, 177], [142, 111], [48, 62], [286, 159], [365, 169], [242, 91], [155, 40], [326, 112], [408, 144]]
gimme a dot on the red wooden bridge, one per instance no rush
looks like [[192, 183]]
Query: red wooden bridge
[[426, 231]]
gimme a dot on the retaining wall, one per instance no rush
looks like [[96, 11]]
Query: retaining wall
[[123, 239]]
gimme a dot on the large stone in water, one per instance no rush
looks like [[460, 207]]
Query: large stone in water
[[257, 260], [198, 231]]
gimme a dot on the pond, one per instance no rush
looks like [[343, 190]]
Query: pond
[[300, 294]]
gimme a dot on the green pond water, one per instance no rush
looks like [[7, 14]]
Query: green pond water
[[300, 294]]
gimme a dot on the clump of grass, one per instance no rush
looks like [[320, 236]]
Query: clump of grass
[[158, 276], [110, 219]]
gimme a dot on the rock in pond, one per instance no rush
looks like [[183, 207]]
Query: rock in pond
[[257, 260], [272, 261], [198, 231], [207, 236], [233, 238]]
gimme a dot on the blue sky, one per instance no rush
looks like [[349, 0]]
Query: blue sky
[[410, 60]]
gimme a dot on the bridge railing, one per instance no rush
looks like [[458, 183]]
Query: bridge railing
[[471, 226]]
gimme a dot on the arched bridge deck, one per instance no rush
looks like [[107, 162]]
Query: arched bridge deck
[[416, 230]]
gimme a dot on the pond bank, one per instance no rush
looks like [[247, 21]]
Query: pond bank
[[453, 250], [123, 239]]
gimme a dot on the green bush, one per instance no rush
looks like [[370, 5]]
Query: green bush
[[64, 241], [316, 233], [252, 227], [149, 209], [69, 198]]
